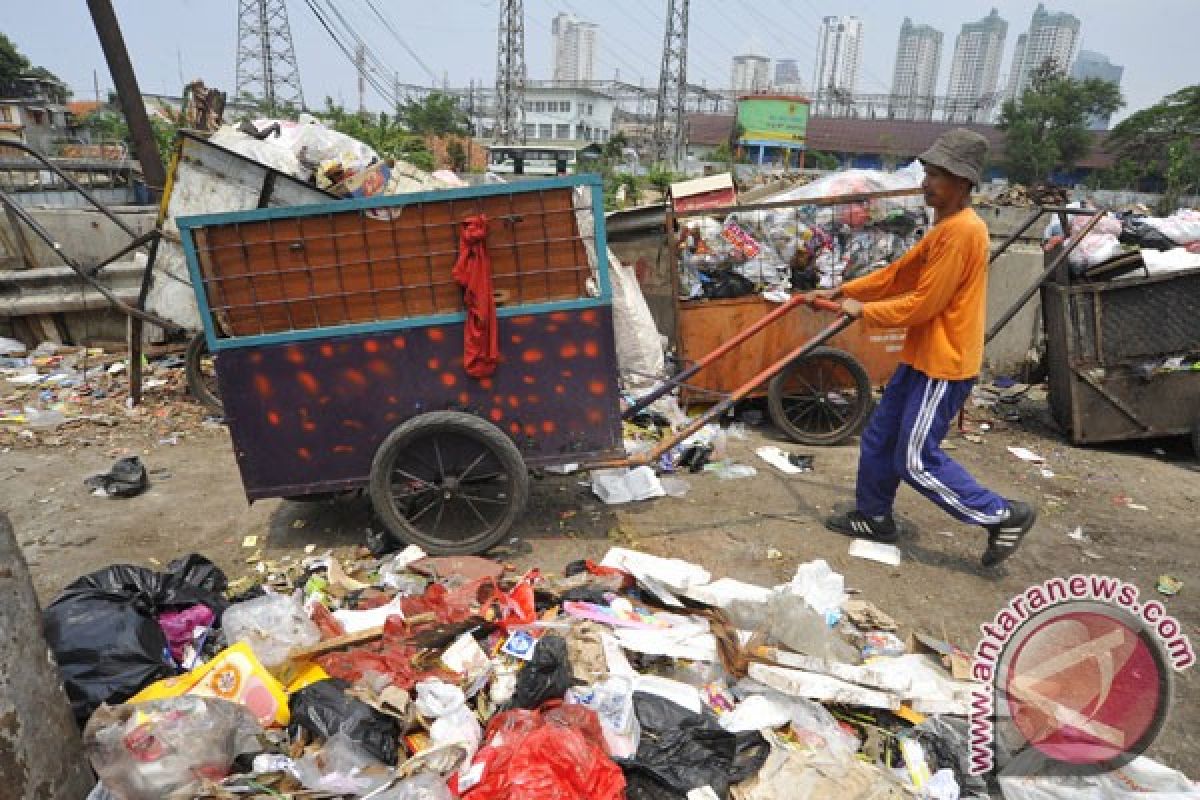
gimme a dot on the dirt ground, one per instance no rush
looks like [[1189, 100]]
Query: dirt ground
[[755, 529]]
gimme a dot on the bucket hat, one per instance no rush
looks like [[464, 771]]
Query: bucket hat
[[960, 152]]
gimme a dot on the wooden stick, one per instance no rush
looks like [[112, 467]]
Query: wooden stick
[[352, 639]]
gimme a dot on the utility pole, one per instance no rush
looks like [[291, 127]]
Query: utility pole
[[266, 59], [510, 73], [40, 751], [360, 65], [672, 87]]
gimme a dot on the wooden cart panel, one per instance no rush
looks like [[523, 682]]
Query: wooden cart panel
[[705, 325]]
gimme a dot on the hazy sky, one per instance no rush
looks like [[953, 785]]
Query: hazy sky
[[172, 41]]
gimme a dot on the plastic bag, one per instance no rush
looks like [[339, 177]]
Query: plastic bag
[[453, 721], [823, 589], [324, 709], [813, 774], [180, 626], [681, 750], [426, 786], [125, 478], [639, 344], [146, 751], [546, 676], [273, 625], [1182, 227], [1030, 776], [341, 766], [104, 631], [612, 700], [1093, 249], [556, 754]]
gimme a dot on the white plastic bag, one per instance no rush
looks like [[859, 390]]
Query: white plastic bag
[[823, 589], [1028, 777], [273, 625], [639, 344], [454, 722], [341, 767], [1093, 249]]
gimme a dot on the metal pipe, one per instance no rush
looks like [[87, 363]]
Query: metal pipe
[[1072, 243], [828, 332], [1012, 237], [132, 105]]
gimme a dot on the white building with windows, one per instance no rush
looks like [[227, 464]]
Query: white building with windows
[[574, 48], [751, 73], [975, 68], [914, 79], [839, 44], [1052, 36], [563, 114]]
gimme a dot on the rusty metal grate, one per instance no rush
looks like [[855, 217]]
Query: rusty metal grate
[[374, 265]]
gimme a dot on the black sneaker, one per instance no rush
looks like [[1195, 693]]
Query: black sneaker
[[859, 525], [1004, 538]]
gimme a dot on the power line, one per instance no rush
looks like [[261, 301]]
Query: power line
[[388, 25], [346, 51]]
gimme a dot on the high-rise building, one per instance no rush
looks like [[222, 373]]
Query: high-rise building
[[975, 68], [787, 74], [574, 48], [750, 73], [839, 45], [914, 80], [1096, 65], [1053, 36]]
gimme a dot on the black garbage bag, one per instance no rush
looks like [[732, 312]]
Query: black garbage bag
[[723, 283], [546, 676], [125, 478], [1136, 232], [104, 633], [323, 709], [681, 750]]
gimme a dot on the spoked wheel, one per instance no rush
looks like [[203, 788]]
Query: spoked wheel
[[201, 367], [820, 399], [449, 482]]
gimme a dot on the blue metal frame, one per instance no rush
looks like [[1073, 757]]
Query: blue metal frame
[[215, 343]]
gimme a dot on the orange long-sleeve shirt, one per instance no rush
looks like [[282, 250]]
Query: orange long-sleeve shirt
[[938, 292]]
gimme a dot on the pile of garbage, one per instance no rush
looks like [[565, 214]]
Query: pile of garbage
[[803, 246], [51, 389], [1042, 194], [308, 150], [410, 676], [1130, 244]]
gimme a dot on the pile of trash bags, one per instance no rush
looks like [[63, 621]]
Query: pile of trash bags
[[407, 677], [308, 150], [803, 247], [1129, 244]]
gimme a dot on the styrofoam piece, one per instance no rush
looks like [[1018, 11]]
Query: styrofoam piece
[[824, 688], [675, 573], [724, 591], [876, 551]]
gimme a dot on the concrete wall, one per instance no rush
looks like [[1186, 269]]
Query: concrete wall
[[86, 236], [1011, 274]]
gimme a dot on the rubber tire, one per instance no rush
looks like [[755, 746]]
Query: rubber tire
[[464, 424], [862, 383], [196, 350]]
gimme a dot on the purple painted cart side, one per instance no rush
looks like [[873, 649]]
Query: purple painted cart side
[[308, 416]]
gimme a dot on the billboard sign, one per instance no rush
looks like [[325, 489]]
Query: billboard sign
[[773, 119]]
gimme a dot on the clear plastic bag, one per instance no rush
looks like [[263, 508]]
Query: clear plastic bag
[[145, 751], [341, 767], [426, 786], [273, 625]]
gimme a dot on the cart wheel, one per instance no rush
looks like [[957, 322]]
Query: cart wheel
[[201, 369], [449, 482], [822, 398]]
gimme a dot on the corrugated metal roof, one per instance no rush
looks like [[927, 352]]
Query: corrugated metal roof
[[899, 138]]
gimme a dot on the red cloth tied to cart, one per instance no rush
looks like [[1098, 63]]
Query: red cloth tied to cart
[[473, 272]]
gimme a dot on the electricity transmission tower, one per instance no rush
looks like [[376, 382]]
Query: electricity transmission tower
[[669, 133], [510, 73], [266, 60]]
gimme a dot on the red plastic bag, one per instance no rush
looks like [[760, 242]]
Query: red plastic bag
[[514, 608], [555, 753]]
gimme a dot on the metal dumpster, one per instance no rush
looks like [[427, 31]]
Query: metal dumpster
[[1124, 357]]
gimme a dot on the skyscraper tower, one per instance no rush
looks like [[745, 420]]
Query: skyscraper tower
[[838, 54], [975, 69], [266, 59], [1053, 36], [574, 48], [914, 80], [510, 73]]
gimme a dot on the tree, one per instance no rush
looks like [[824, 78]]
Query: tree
[[107, 125], [614, 148], [1159, 142], [438, 114], [1047, 129], [12, 63], [815, 159], [457, 155]]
